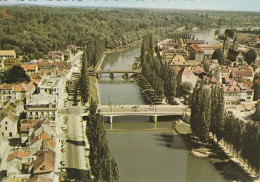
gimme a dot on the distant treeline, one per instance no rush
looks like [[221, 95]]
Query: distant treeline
[[34, 31]]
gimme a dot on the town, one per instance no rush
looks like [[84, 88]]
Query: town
[[44, 117]]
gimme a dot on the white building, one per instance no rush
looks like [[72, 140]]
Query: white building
[[51, 84], [8, 126], [41, 106]]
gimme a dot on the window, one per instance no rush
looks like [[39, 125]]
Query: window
[[6, 128], [10, 134], [6, 122]]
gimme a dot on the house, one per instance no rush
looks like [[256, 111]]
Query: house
[[37, 142], [6, 92], [190, 42], [210, 65], [239, 73], [235, 58], [222, 72], [56, 55], [23, 92], [199, 52], [39, 178], [188, 76], [30, 69], [8, 126], [44, 162], [27, 126], [209, 50], [19, 156], [234, 92], [10, 62], [7, 54], [41, 106]]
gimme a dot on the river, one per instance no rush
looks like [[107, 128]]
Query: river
[[146, 151]]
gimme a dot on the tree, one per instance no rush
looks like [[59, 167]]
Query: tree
[[250, 56], [16, 74], [84, 80], [217, 113], [218, 54], [217, 32], [185, 88]]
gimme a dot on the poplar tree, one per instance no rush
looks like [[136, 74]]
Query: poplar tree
[[84, 80]]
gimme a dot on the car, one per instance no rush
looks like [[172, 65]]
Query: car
[[64, 128], [63, 169], [62, 146], [62, 163]]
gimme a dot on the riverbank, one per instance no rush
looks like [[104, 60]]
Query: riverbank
[[146, 89], [93, 90], [213, 152], [125, 47]]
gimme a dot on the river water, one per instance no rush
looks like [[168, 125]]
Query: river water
[[146, 151]]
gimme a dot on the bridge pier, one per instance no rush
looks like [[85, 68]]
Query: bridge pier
[[154, 118], [97, 75], [110, 119], [112, 75]]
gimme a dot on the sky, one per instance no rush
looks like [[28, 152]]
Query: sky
[[227, 5]]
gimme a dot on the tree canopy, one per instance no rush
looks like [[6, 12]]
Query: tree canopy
[[15, 74], [250, 56], [219, 55]]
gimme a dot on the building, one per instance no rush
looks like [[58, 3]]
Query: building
[[222, 72], [44, 162], [199, 52], [51, 84], [37, 142], [188, 76], [257, 112], [235, 58], [210, 65], [27, 127], [6, 92], [41, 106], [56, 55], [7, 54], [8, 126], [39, 178], [234, 92], [17, 92], [10, 63], [30, 69], [239, 73]]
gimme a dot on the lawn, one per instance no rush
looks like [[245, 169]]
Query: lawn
[[93, 89]]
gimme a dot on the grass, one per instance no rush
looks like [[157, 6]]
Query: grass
[[93, 89]]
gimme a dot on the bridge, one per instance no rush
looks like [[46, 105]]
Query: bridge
[[113, 72], [141, 110]]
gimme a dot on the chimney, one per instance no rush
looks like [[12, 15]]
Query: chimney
[[43, 166]]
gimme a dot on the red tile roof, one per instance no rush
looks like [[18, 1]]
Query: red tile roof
[[43, 137], [44, 162], [18, 88], [186, 71], [6, 86], [29, 67], [17, 154], [26, 124], [241, 73], [176, 69], [40, 178]]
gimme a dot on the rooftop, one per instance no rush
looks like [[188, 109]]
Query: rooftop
[[17, 154], [7, 52], [42, 99]]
